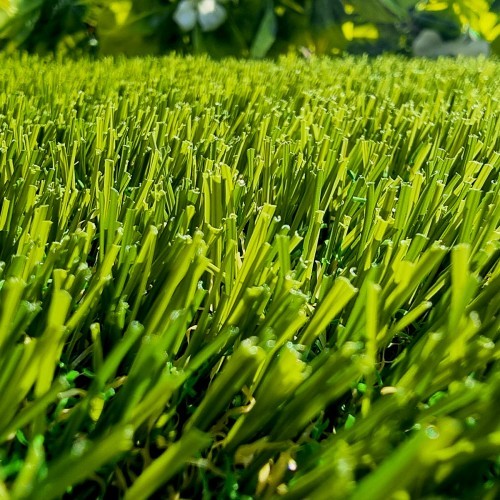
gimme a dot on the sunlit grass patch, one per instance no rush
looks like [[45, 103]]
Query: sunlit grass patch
[[249, 279]]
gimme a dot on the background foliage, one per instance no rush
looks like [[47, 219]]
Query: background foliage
[[248, 28]]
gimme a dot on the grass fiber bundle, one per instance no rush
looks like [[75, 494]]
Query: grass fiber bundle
[[249, 279]]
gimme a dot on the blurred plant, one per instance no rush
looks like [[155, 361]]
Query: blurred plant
[[208, 13], [451, 18], [243, 28], [43, 26]]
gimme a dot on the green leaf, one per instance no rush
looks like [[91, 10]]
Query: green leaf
[[266, 33]]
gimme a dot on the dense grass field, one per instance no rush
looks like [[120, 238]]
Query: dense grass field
[[249, 280]]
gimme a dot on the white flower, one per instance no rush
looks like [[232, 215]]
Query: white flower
[[185, 15], [208, 13]]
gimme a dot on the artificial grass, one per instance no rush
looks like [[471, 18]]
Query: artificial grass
[[249, 279]]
